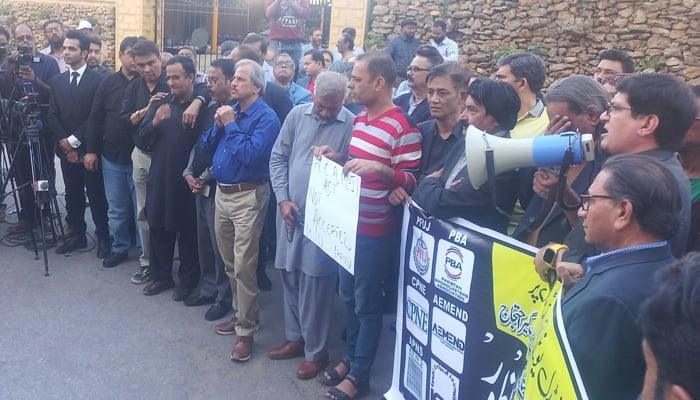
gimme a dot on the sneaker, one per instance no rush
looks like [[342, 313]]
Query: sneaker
[[141, 276]]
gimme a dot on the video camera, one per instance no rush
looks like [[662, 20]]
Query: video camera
[[25, 55]]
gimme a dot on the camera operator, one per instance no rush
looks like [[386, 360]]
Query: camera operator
[[27, 71]]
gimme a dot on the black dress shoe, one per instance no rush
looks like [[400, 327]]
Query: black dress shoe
[[114, 259], [181, 293], [72, 243], [104, 246], [198, 300], [156, 287], [264, 282], [217, 311]]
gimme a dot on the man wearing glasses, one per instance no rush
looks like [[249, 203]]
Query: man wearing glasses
[[415, 102], [283, 70], [650, 115], [630, 213]]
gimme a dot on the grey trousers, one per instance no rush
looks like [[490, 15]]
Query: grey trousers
[[142, 166], [213, 281], [308, 306]]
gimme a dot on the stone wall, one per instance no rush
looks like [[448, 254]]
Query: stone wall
[[99, 12], [661, 35]]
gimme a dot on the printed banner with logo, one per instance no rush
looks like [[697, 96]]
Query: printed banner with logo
[[469, 304]]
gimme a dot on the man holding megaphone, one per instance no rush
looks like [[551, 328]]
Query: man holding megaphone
[[649, 115]]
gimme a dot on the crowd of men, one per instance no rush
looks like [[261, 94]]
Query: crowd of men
[[217, 163]]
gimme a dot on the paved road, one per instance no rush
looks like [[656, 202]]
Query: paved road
[[86, 332]]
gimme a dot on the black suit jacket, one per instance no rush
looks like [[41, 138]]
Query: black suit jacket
[[278, 99], [69, 108], [600, 316]]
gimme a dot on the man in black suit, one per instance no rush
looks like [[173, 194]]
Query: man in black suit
[[630, 213], [72, 93]]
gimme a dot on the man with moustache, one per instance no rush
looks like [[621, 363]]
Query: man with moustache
[[415, 103], [213, 283], [242, 140], [170, 208], [309, 276], [55, 34], [649, 115], [403, 47], [139, 97], [94, 58], [109, 148], [17, 81], [448, 48]]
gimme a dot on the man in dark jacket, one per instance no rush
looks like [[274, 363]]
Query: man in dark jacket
[[629, 213]]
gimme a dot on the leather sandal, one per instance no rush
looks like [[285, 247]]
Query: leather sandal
[[333, 377], [361, 388]]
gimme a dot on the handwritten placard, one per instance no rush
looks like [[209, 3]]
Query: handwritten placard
[[332, 208]]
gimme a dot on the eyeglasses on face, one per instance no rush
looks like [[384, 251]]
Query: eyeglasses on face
[[586, 199], [614, 107], [284, 64], [413, 69]]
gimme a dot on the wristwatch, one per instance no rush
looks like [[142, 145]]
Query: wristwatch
[[550, 255]]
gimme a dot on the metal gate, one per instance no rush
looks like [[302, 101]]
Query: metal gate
[[205, 24]]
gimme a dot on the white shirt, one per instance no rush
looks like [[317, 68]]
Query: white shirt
[[448, 48], [74, 141]]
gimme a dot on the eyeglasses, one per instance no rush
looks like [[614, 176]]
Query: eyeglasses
[[614, 107], [586, 199], [284, 64], [413, 69]]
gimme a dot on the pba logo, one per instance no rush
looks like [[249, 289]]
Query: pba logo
[[421, 256], [453, 262]]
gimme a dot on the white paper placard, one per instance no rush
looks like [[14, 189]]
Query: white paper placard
[[332, 210]]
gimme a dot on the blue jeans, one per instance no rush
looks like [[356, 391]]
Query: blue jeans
[[362, 295], [121, 198]]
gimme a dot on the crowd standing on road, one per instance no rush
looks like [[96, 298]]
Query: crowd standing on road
[[217, 162]]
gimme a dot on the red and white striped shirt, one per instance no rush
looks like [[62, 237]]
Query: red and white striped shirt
[[393, 140]]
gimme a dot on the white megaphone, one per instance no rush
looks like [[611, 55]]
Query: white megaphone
[[510, 154]]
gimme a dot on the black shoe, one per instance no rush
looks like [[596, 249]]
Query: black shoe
[[198, 300], [217, 311], [104, 246], [143, 275], [72, 243], [156, 287], [180, 293], [264, 282], [114, 259]]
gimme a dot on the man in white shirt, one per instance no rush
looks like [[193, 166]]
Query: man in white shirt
[[448, 48]]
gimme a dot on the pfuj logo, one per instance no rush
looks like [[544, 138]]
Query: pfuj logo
[[453, 263], [421, 256]]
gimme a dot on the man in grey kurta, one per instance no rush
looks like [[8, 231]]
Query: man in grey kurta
[[308, 274]]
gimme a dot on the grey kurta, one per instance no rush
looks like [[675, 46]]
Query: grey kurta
[[290, 166]]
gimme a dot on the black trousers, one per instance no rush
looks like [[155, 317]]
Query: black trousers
[[22, 172], [163, 252], [78, 180]]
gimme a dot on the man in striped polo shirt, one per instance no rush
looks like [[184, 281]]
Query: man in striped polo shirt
[[385, 150]]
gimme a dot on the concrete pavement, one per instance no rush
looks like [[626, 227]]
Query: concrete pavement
[[86, 332]]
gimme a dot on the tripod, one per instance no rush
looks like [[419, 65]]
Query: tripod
[[42, 181]]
